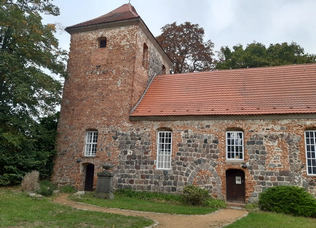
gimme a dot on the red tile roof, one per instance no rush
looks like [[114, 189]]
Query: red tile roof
[[124, 12], [268, 90]]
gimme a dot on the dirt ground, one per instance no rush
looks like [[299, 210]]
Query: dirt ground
[[217, 219]]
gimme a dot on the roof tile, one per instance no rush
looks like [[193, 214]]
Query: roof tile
[[255, 91], [124, 12]]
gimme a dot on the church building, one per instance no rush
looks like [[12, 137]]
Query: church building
[[232, 132]]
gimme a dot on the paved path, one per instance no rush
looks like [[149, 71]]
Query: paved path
[[217, 219]]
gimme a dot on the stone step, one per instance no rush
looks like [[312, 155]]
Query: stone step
[[235, 205]]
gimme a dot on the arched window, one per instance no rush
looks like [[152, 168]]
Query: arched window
[[145, 56], [310, 150], [234, 145], [91, 143], [164, 149], [102, 42], [163, 69]]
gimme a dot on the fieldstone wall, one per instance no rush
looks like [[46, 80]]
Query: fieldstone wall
[[273, 150]]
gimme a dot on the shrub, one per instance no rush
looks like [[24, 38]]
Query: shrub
[[252, 207], [46, 188], [30, 182], [67, 189], [215, 203], [289, 200], [194, 195]]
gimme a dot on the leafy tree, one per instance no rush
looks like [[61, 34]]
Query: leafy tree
[[185, 46], [258, 55], [35, 152], [28, 51]]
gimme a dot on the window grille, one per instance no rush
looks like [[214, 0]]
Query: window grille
[[91, 143], [310, 144], [102, 42], [164, 148], [234, 145]]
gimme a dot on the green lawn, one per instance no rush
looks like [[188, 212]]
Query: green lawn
[[19, 210], [273, 220], [151, 203]]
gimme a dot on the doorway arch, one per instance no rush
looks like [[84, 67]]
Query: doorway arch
[[235, 185], [89, 176]]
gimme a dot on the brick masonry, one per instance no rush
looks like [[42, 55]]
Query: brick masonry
[[102, 87]]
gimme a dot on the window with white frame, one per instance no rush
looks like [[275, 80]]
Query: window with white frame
[[310, 144], [91, 143], [234, 145], [164, 148]]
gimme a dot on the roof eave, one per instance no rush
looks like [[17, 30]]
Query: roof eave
[[84, 28], [225, 117]]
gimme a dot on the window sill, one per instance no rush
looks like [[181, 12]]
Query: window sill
[[89, 156], [235, 160]]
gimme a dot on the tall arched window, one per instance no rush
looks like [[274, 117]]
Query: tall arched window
[[310, 150], [163, 69], [234, 145], [164, 149], [145, 56]]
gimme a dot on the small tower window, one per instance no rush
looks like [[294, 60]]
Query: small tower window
[[145, 56], [163, 69], [102, 42]]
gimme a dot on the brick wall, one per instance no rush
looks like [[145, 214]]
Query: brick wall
[[102, 86]]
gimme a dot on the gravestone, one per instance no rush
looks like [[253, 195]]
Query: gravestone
[[104, 183]]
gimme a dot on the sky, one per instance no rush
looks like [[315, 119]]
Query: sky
[[226, 22]]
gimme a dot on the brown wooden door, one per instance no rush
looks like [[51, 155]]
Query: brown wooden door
[[235, 185], [88, 184]]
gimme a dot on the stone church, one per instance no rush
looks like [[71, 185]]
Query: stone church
[[233, 132]]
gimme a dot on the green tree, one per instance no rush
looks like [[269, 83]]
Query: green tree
[[258, 55], [185, 46], [28, 51]]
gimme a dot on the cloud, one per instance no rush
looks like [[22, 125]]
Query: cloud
[[226, 22]]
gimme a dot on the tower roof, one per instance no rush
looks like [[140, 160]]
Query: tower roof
[[122, 13]]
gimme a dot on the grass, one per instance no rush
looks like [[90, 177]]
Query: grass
[[148, 201], [20, 210], [268, 219]]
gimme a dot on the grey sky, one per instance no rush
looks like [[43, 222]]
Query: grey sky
[[226, 22]]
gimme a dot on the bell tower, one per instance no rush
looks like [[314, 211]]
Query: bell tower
[[112, 59]]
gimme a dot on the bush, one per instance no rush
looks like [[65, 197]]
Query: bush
[[252, 207], [46, 188], [289, 200], [30, 182], [67, 189], [194, 195], [215, 203]]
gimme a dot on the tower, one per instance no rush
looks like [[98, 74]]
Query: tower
[[111, 61]]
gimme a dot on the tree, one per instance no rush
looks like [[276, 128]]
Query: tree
[[28, 51], [257, 55], [35, 152], [185, 46]]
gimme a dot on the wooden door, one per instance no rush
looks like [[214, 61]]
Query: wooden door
[[88, 184], [235, 185]]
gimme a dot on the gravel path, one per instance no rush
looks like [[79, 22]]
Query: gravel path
[[217, 219]]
